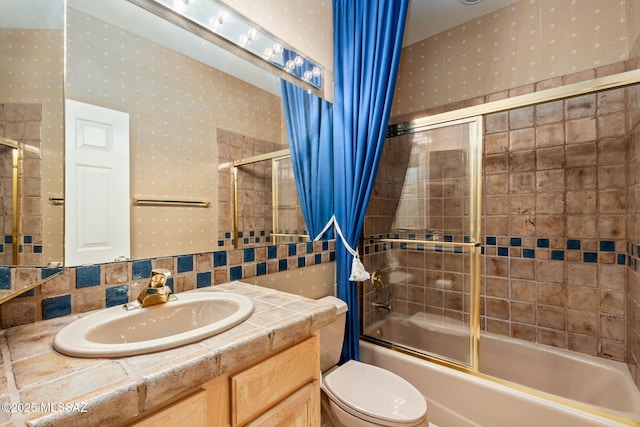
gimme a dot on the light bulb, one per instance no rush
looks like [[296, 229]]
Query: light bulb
[[223, 17], [277, 48], [316, 71], [298, 61], [253, 34]]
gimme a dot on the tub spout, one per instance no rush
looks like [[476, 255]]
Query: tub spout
[[381, 305]]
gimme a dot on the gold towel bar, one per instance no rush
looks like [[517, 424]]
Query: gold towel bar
[[162, 202]]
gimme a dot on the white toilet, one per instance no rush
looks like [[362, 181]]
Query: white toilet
[[359, 394]]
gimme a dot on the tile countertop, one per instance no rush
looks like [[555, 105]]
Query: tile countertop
[[41, 387]]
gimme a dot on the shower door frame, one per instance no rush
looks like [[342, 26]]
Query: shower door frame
[[626, 78], [474, 245]]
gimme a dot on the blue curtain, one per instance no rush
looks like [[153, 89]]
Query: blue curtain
[[310, 125], [367, 44]]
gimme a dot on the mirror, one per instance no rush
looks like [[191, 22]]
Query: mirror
[[193, 109], [31, 117]]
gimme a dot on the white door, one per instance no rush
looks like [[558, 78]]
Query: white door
[[96, 184]]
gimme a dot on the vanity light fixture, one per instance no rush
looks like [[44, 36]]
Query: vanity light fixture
[[209, 16]]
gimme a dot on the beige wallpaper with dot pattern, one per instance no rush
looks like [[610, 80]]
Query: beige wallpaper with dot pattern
[[175, 105], [529, 41], [32, 72]]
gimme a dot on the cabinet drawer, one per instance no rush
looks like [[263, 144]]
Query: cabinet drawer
[[297, 410], [190, 411], [258, 388]]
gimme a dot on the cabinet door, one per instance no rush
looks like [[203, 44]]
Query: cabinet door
[[298, 410], [190, 411], [255, 390]]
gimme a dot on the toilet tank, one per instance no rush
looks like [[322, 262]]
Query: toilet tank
[[332, 335]]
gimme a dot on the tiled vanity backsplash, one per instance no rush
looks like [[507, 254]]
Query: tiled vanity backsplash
[[86, 288]]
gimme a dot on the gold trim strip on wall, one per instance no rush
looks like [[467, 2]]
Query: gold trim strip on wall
[[431, 242], [162, 202]]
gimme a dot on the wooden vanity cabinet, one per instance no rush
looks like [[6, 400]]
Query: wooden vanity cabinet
[[281, 390]]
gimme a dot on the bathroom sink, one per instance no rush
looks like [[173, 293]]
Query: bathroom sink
[[116, 332]]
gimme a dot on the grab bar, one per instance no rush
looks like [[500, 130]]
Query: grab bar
[[163, 202]]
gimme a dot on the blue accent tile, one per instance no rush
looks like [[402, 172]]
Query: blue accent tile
[[283, 265], [5, 278], [56, 306], [249, 255], [448, 238], [261, 268], [141, 269], [542, 243], [557, 255], [246, 240], [240, 234], [367, 250], [457, 249], [29, 293], [48, 272], [309, 247], [227, 235], [37, 249], [317, 258], [8, 239], [252, 234], [590, 257], [332, 256], [515, 241], [491, 240], [185, 263], [528, 253], [607, 246], [262, 233], [219, 258], [116, 295], [467, 239], [28, 239], [325, 245], [574, 244], [622, 259], [412, 236], [403, 245], [420, 247], [293, 249], [272, 252], [438, 248], [1, 248], [220, 243], [503, 251], [302, 261], [203, 279], [235, 273], [257, 240], [169, 284], [87, 276]]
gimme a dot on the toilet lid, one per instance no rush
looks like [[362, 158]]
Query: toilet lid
[[376, 392]]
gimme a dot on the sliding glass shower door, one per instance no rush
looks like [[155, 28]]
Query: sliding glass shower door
[[422, 235]]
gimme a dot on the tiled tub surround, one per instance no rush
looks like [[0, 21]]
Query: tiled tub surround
[[116, 390], [86, 288]]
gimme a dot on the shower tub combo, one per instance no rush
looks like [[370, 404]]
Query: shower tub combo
[[554, 387]]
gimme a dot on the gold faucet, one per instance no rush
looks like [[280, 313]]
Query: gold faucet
[[156, 293]]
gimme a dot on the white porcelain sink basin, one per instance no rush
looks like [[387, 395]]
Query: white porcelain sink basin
[[116, 332]]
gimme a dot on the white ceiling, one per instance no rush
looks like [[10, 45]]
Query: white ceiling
[[430, 17]]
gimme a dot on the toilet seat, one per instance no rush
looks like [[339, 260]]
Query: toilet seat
[[375, 395]]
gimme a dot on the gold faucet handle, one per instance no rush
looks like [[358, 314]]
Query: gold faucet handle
[[159, 277]]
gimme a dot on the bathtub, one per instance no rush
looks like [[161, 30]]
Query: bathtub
[[460, 399]]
